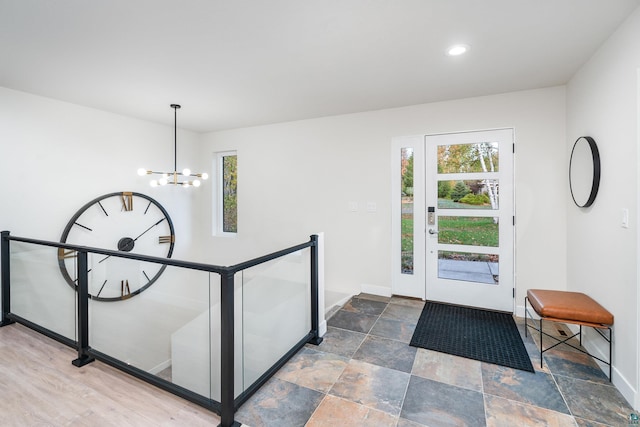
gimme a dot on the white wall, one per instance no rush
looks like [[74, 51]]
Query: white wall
[[298, 178], [55, 157], [602, 102]]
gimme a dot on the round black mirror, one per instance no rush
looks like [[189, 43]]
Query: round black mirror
[[584, 171]]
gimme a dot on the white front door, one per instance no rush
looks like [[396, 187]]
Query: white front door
[[469, 248]]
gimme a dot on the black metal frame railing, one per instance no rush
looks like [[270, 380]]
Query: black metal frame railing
[[228, 404]]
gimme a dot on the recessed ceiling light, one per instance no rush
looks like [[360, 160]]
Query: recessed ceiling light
[[457, 50]]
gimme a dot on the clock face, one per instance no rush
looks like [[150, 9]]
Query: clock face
[[126, 222]]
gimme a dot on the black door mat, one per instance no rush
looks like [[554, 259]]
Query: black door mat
[[487, 336]]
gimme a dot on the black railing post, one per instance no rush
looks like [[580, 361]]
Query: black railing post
[[227, 347], [316, 339], [82, 291], [5, 277]]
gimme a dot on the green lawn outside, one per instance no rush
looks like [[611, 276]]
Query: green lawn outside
[[476, 231], [406, 257], [407, 234]]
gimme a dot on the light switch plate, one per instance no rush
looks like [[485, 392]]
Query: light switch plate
[[372, 207]]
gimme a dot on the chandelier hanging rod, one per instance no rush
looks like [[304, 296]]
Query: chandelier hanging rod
[[172, 177], [175, 135]]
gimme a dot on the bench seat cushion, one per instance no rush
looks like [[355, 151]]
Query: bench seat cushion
[[569, 306]]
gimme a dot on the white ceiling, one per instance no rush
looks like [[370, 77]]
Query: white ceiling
[[236, 63]]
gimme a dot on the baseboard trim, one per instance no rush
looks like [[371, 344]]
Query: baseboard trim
[[620, 381], [626, 389], [381, 291], [520, 312]]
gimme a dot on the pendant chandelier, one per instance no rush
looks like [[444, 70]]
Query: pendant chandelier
[[185, 178]]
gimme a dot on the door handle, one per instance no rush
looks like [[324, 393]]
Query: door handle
[[432, 231]]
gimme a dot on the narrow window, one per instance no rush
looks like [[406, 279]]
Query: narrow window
[[226, 199], [406, 194]]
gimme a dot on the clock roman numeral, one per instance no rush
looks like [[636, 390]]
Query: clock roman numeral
[[124, 288], [127, 201], [66, 253], [167, 239]]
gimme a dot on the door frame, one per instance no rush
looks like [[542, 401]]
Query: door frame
[[414, 285]]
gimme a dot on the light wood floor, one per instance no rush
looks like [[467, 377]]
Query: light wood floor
[[40, 387]]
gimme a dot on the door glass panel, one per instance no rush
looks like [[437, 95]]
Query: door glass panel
[[406, 193], [468, 194], [468, 230], [469, 267], [468, 158]]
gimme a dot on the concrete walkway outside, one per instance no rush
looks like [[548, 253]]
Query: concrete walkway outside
[[469, 271]]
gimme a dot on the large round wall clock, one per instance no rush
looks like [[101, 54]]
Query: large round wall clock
[[126, 222]]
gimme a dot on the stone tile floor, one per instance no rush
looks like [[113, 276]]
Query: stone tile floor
[[365, 374]]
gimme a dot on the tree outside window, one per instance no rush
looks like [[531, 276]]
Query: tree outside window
[[230, 194]]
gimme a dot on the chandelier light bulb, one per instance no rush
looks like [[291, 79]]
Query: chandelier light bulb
[[142, 171], [163, 181], [153, 183], [204, 175], [186, 172], [196, 183]]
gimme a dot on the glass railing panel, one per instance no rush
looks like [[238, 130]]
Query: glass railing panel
[[276, 311], [163, 328], [39, 292]]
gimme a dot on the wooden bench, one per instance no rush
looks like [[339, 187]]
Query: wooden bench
[[569, 307]]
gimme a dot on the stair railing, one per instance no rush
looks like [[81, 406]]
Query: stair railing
[[229, 403]]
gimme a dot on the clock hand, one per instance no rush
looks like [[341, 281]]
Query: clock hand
[[149, 229]]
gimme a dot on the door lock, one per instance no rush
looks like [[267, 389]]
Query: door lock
[[432, 231], [431, 215]]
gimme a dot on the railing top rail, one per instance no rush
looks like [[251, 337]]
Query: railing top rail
[[168, 261], [256, 261]]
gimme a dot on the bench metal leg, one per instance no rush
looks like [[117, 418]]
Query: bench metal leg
[[541, 351], [608, 337]]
